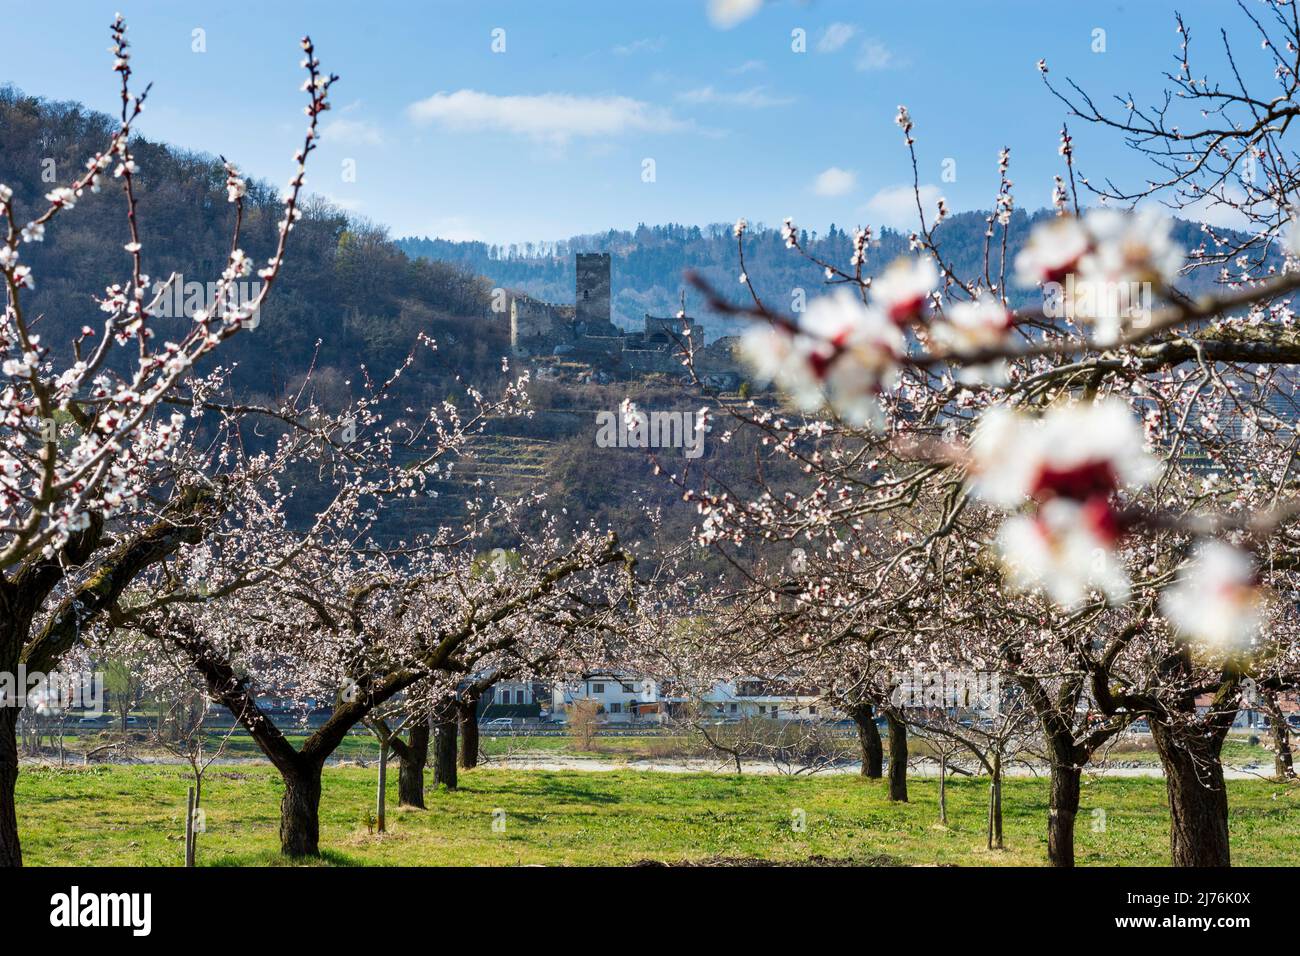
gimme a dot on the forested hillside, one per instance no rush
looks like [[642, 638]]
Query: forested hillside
[[348, 299], [346, 296]]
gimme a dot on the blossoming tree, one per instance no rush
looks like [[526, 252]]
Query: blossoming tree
[[97, 454], [334, 617], [1105, 479]]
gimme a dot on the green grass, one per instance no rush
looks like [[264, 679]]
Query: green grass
[[116, 815]]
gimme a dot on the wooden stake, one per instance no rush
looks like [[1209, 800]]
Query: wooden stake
[[383, 786], [189, 829]]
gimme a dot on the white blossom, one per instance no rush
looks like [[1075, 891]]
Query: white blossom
[[1052, 251], [843, 353], [902, 289], [1216, 598], [1067, 549], [968, 328], [1074, 451]]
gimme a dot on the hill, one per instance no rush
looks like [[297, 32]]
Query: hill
[[348, 299], [345, 286]]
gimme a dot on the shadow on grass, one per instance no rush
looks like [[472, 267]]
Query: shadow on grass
[[275, 858], [876, 860], [546, 785]]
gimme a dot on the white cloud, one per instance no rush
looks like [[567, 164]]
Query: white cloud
[[874, 55], [454, 229], [835, 182], [895, 206], [748, 66], [347, 205], [550, 117], [725, 14], [835, 36], [644, 45], [752, 98], [352, 132], [1218, 214]]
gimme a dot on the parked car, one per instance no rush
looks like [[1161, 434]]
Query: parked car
[[1140, 727], [500, 723], [110, 720]]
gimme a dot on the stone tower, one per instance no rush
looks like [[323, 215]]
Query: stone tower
[[592, 294]]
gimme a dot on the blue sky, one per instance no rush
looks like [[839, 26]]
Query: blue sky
[[550, 137]]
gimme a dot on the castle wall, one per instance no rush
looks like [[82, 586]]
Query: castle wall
[[599, 345], [593, 293], [536, 326], [654, 360], [716, 364]]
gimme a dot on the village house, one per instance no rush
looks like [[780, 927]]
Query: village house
[[625, 699], [619, 697]]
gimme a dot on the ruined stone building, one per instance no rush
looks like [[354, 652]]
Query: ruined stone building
[[585, 332], [592, 295]]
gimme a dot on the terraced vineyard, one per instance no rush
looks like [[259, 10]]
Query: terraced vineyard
[[563, 425], [510, 462]]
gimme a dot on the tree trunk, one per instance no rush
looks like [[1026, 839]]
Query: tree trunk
[[11, 853], [897, 757], [300, 811], [1063, 807], [412, 760], [1198, 798], [873, 754], [468, 709], [995, 804], [1283, 762], [381, 794], [444, 748]]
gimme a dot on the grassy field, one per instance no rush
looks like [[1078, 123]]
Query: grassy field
[[133, 816]]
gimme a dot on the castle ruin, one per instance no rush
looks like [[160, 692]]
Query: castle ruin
[[585, 332]]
